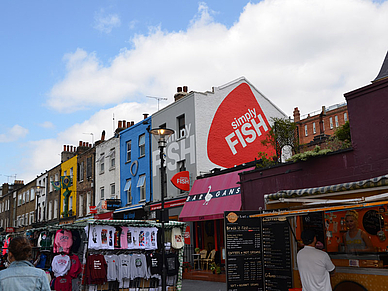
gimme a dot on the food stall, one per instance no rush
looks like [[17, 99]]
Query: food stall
[[274, 236]]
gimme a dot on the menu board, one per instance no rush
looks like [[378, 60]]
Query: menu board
[[277, 254], [258, 252]]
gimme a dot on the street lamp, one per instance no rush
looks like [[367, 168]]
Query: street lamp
[[162, 134]]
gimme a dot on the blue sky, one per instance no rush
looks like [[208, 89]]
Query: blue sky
[[67, 68]]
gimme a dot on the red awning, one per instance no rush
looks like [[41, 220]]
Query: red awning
[[210, 197]]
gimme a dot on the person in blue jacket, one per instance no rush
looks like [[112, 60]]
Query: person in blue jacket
[[21, 274]]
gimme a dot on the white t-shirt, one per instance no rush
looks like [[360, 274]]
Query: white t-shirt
[[101, 237], [314, 266], [60, 265]]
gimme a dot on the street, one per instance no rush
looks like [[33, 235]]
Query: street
[[197, 285]]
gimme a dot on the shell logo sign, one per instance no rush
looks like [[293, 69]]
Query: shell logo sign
[[238, 128]]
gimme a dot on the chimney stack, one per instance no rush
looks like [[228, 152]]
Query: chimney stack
[[145, 115], [180, 93], [296, 114]]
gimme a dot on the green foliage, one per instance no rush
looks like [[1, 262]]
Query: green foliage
[[309, 154], [341, 138], [281, 134], [264, 161]]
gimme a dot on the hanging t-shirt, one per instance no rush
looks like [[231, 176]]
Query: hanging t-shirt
[[172, 264], [42, 261], [133, 238], [60, 265], [45, 240], [123, 237], [176, 238], [63, 241], [124, 272], [101, 237], [76, 241], [96, 269], [154, 262], [117, 237], [75, 266], [153, 238], [113, 267], [63, 283], [138, 267]]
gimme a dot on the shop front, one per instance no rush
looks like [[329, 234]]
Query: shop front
[[204, 212], [332, 212]]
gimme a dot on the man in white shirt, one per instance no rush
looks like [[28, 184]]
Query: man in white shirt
[[315, 266]]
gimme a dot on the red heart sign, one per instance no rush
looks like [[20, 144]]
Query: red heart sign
[[181, 180], [237, 130]]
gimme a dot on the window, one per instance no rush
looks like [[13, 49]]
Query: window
[[112, 190], [88, 202], [81, 206], [345, 117], [51, 184], [305, 130], [55, 214], [102, 164], [141, 184], [336, 121], [65, 173], [70, 203], [181, 126], [80, 172], [56, 177], [28, 196], [71, 173], [323, 125], [331, 122], [142, 145], [50, 210], [102, 193], [127, 188], [31, 217], [112, 162], [129, 147], [33, 194], [314, 128], [89, 167], [19, 199], [24, 198]]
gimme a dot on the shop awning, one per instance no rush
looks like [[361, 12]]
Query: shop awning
[[369, 183], [210, 197], [168, 204], [130, 208]]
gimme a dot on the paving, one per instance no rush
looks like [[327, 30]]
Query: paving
[[197, 285]]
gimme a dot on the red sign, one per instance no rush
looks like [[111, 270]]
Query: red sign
[[169, 204], [187, 235], [9, 229], [181, 180], [237, 130], [93, 209]]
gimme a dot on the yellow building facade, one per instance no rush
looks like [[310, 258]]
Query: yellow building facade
[[69, 169]]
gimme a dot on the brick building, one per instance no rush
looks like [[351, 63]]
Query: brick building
[[316, 127]]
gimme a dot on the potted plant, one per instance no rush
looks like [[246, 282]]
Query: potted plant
[[215, 268], [187, 266], [197, 250]]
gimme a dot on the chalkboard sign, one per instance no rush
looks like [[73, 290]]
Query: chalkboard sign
[[258, 252], [372, 222]]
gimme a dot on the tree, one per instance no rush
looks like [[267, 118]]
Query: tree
[[341, 138], [282, 136]]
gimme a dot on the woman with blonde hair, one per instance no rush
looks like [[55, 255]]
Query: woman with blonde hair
[[355, 239], [21, 274]]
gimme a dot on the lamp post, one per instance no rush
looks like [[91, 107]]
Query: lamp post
[[162, 134]]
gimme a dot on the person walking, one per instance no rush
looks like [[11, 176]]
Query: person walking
[[21, 274], [315, 266]]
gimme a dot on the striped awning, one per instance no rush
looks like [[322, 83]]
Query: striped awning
[[369, 183]]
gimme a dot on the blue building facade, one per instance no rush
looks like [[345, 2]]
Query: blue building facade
[[135, 170]]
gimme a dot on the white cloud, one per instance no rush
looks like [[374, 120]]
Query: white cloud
[[47, 124], [42, 155], [304, 53], [13, 134], [105, 23]]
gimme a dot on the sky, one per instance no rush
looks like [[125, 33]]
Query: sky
[[71, 69]]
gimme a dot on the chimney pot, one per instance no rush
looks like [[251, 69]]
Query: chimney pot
[[179, 89], [128, 124], [80, 143], [185, 88], [103, 135], [71, 148], [145, 115], [120, 124], [67, 148], [84, 144], [64, 147], [132, 123], [87, 144], [124, 123]]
